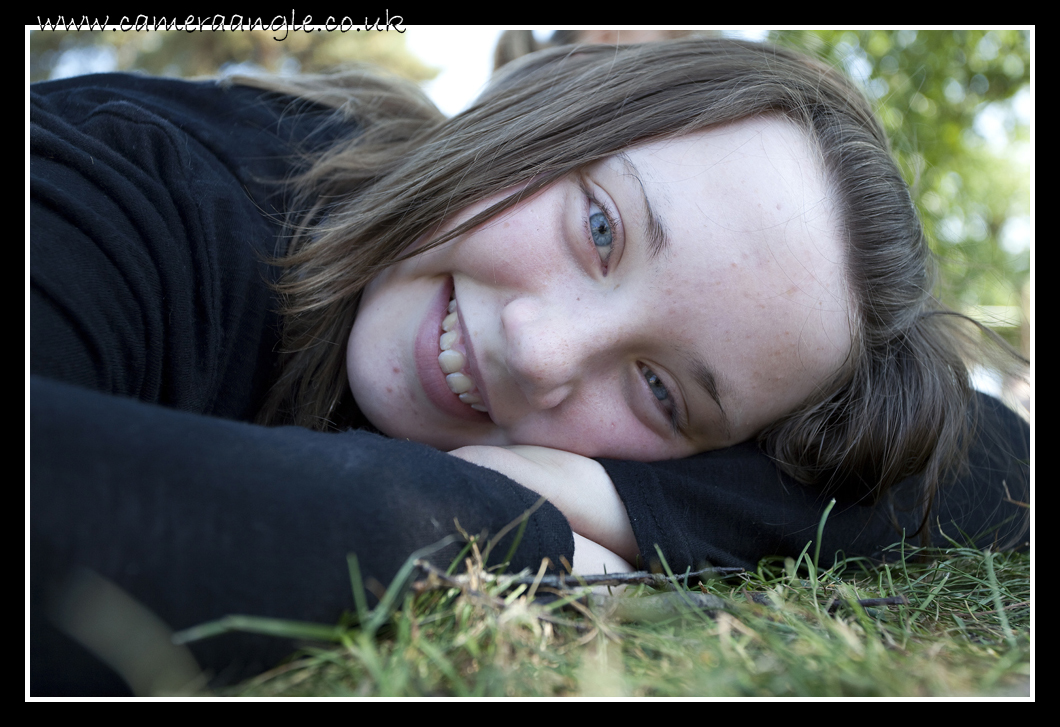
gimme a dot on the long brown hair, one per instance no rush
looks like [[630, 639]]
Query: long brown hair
[[900, 406]]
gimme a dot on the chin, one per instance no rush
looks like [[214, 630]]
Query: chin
[[444, 438], [426, 425]]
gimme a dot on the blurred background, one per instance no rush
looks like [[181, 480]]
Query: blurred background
[[957, 104]]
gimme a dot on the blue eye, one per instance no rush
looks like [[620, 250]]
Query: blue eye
[[601, 231], [655, 384], [658, 388]]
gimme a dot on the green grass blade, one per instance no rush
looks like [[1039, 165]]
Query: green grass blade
[[387, 604], [357, 585], [998, 605], [820, 534], [259, 625]]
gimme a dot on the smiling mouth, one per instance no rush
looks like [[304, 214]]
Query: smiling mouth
[[453, 361]]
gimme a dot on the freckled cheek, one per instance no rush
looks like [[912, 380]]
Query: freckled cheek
[[594, 434]]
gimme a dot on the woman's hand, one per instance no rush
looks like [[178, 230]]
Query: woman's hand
[[580, 488]]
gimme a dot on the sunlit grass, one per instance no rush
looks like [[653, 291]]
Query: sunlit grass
[[788, 629]]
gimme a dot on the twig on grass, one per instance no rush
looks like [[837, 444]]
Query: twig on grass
[[564, 582], [659, 580], [899, 600]]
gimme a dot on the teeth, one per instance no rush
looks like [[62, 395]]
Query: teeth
[[452, 362], [459, 383], [473, 400], [447, 340]]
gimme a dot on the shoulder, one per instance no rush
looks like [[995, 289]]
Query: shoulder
[[250, 131], [154, 204]]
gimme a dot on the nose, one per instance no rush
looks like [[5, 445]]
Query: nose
[[549, 352]]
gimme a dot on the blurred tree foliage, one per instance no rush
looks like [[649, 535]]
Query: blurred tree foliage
[[947, 99], [184, 54]]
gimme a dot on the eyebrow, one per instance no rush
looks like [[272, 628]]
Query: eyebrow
[[654, 231], [658, 240]]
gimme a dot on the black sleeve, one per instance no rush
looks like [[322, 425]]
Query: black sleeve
[[733, 507], [200, 517], [154, 205]]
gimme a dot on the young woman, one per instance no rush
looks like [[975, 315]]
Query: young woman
[[679, 289]]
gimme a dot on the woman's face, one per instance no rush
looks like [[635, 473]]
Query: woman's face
[[672, 299]]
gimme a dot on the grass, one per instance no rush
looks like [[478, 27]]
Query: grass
[[789, 629]]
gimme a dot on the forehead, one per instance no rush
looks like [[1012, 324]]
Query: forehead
[[752, 279], [751, 175]]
